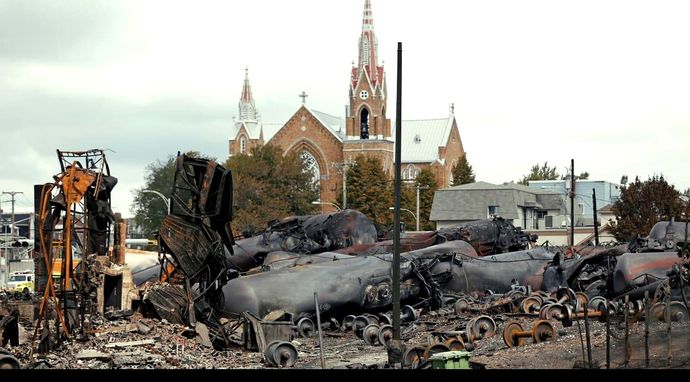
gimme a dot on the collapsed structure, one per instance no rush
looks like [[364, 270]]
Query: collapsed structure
[[261, 291], [337, 257], [74, 219]]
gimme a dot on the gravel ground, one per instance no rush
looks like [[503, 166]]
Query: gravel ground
[[151, 344]]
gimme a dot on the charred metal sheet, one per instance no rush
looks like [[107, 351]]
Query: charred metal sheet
[[408, 243], [203, 189], [497, 272], [664, 236], [169, 303], [281, 259], [357, 281], [490, 236], [637, 269], [304, 234], [99, 214], [191, 244], [589, 269], [669, 230]]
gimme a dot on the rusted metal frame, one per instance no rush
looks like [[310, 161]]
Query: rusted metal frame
[[62, 155], [431, 286], [49, 289]]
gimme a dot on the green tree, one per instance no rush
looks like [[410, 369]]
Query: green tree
[[148, 208], [370, 192], [582, 176], [544, 172], [462, 172], [643, 204], [268, 185]]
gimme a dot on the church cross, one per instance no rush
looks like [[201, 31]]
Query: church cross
[[304, 97]]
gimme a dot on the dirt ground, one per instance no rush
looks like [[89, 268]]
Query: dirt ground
[[142, 343]]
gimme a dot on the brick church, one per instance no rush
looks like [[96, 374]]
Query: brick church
[[327, 142]]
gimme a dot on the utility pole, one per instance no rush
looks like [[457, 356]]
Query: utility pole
[[419, 187], [572, 202], [594, 212], [12, 194], [343, 167]]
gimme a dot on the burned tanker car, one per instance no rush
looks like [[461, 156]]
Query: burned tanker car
[[227, 288]]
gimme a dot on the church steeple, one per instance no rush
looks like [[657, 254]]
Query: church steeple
[[367, 113], [368, 45], [246, 105]]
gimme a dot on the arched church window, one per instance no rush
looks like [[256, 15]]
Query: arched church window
[[451, 178], [312, 166], [411, 172], [243, 145], [364, 124]]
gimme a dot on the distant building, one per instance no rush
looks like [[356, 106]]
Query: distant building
[[523, 206], [326, 141], [541, 211], [606, 192], [23, 222]]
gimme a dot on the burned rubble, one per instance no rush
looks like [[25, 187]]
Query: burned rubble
[[324, 282]]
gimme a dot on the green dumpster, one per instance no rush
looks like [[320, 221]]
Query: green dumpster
[[450, 360]]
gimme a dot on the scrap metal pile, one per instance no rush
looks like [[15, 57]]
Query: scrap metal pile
[[327, 273], [263, 288]]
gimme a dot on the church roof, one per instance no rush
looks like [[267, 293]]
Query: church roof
[[253, 129], [335, 124], [421, 138]]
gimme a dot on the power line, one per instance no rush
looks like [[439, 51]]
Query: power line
[[12, 194]]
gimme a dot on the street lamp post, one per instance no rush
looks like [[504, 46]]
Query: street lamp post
[[327, 204], [412, 213], [343, 167], [419, 187], [165, 199]]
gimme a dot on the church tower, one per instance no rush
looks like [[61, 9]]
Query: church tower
[[248, 130], [368, 128]]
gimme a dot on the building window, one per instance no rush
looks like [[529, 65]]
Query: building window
[[540, 214], [492, 211], [243, 145], [410, 173], [364, 124], [311, 165]]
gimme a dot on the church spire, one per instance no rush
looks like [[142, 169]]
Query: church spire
[[368, 45], [246, 105]]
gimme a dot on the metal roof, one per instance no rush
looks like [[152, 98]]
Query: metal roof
[[335, 124], [421, 138]]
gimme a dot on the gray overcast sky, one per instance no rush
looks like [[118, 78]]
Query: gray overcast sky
[[604, 82]]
